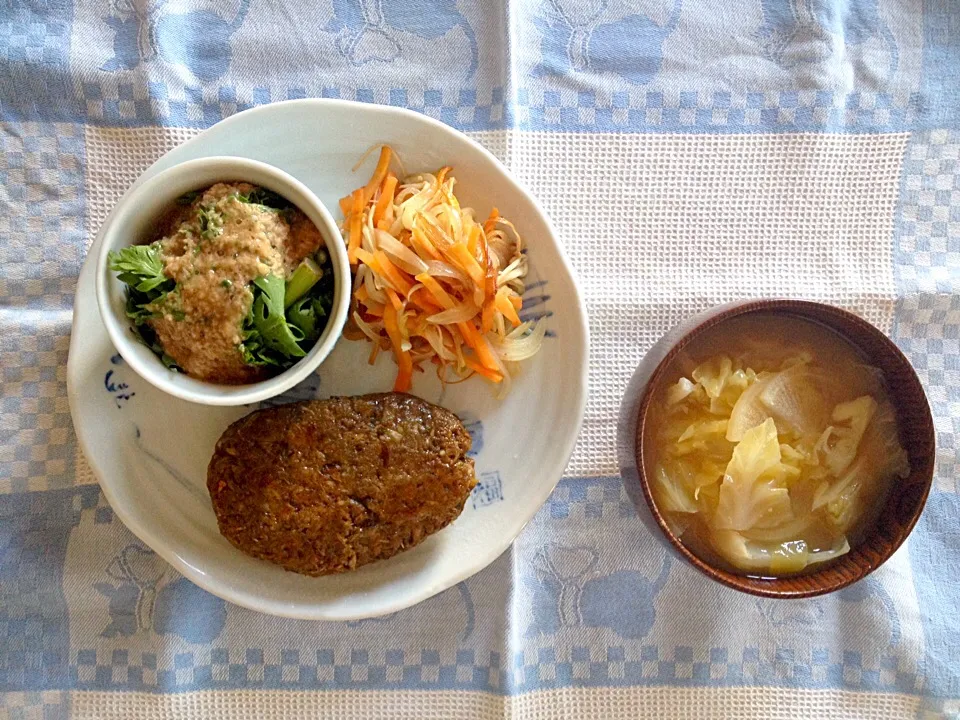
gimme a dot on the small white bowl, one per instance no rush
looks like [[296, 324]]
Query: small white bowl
[[131, 222]]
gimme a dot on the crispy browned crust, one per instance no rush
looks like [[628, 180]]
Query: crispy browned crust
[[325, 486]]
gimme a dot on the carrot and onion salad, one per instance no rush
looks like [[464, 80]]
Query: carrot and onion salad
[[432, 283]]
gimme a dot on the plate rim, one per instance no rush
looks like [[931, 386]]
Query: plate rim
[[320, 611]]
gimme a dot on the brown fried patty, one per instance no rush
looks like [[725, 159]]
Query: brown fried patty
[[325, 486]]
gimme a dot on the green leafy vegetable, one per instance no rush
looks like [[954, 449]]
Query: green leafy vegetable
[[267, 198], [277, 335], [266, 331], [147, 336], [140, 267], [137, 307], [143, 306], [188, 198], [255, 352], [307, 274], [285, 318], [211, 223], [308, 314]]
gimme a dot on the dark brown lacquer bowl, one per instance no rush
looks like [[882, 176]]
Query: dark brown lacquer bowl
[[906, 499]]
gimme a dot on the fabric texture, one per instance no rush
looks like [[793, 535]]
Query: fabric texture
[[689, 153]]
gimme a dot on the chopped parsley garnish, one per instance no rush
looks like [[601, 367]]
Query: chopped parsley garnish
[[211, 222], [267, 198], [140, 267]]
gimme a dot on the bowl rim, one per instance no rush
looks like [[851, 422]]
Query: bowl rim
[[237, 169], [772, 587]]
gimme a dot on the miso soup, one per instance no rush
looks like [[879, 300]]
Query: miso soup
[[773, 445]]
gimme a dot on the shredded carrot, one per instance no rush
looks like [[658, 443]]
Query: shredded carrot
[[383, 167], [404, 361], [504, 305], [486, 322], [404, 324], [424, 303], [419, 237], [386, 198], [405, 376], [381, 265], [356, 220], [394, 300], [436, 290], [467, 262], [394, 275], [474, 340], [491, 222], [371, 307], [481, 370], [473, 240], [367, 258]]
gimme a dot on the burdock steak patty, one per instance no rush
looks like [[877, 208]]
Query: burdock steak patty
[[325, 486]]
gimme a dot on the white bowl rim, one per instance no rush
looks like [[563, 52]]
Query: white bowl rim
[[191, 389]]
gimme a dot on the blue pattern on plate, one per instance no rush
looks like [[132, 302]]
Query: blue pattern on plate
[[488, 491]]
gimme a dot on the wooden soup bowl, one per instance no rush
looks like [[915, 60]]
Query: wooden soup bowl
[[907, 497]]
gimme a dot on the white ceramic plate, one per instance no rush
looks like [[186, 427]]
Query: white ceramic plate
[[150, 451]]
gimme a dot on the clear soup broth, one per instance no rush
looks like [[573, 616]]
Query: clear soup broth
[[772, 445]]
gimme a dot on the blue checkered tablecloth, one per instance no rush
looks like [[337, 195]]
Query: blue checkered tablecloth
[[690, 152]]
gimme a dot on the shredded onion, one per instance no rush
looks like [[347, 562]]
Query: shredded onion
[[507, 382], [461, 313], [515, 270], [414, 206], [405, 344], [365, 328], [516, 348], [440, 269], [373, 291], [399, 253], [434, 336], [367, 240]]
